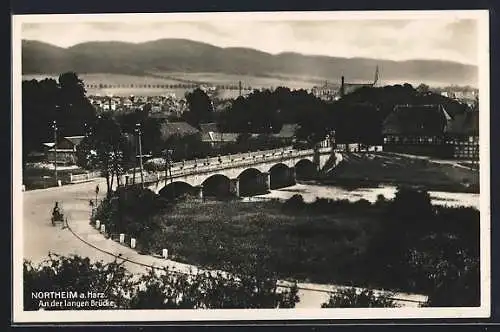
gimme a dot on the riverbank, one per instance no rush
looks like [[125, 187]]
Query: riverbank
[[327, 241], [313, 190], [359, 170]]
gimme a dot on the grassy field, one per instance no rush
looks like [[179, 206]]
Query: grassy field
[[385, 168], [176, 77], [246, 80], [330, 242], [293, 244], [38, 178], [394, 244]]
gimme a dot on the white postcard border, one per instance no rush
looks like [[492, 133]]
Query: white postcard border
[[20, 316]]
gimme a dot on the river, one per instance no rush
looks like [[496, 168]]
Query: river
[[310, 192]]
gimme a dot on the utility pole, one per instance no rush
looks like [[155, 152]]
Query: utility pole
[[110, 98], [168, 164], [139, 132], [135, 160], [54, 127]]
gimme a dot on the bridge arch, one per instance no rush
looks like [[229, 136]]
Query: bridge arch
[[176, 189], [217, 185], [252, 182], [281, 175], [252, 171], [278, 166], [305, 169]]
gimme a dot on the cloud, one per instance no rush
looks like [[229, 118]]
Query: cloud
[[393, 39]]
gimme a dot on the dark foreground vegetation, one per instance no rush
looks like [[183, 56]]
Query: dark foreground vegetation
[[116, 288], [405, 244], [153, 290]]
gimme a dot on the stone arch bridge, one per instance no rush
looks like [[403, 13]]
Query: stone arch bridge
[[243, 174]]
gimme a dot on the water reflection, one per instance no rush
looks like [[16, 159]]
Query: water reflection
[[311, 191]]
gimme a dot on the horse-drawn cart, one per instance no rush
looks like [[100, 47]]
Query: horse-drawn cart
[[58, 217]]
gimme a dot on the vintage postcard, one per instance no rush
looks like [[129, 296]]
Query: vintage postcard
[[251, 166]]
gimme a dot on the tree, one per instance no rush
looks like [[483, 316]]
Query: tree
[[410, 205], [40, 105], [47, 100], [423, 88], [130, 210], [433, 251], [86, 155], [459, 286], [314, 131], [200, 108], [447, 273], [266, 111], [106, 148], [405, 220], [354, 298]]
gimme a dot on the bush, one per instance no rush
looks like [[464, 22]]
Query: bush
[[153, 290], [449, 275], [211, 290], [353, 298], [130, 210], [362, 205], [381, 201], [296, 202], [411, 204], [75, 274]]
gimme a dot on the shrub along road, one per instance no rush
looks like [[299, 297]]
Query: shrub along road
[[39, 238]]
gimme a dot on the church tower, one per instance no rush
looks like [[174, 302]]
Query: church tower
[[375, 80], [342, 87]]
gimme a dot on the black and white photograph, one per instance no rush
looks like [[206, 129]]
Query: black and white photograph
[[250, 166]]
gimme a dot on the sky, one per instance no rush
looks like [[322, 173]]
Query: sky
[[435, 37]]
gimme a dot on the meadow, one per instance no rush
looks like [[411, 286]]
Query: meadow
[[361, 169], [171, 78], [232, 234], [256, 82]]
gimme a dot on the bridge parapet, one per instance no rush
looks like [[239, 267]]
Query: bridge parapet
[[208, 165]]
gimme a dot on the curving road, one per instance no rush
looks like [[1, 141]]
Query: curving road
[[40, 237]]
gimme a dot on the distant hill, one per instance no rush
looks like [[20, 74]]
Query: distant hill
[[180, 55]]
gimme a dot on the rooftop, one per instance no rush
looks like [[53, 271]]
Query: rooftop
[[169, 129], [417, 120], [213, 136], [209, 127], [287, 131], [466, 124], [75, 140]]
